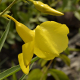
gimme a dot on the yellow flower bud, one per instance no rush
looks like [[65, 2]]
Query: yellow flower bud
[[24, 32], [46, 9]]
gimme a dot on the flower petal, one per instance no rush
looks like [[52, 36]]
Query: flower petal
[[42, 54], [24, 32], [50, 39], [27, 50], [24, 68]]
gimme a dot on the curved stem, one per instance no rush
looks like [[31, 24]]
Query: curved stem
[[8, 7], [10, 17]]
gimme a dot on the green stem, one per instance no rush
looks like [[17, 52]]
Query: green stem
[[46, 70], [34, 59], [0, 1], [23, 76], [8, 7], [72, 49], [30, 0]]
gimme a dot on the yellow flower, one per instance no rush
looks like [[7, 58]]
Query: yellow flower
[[47, 41], [45, 8]]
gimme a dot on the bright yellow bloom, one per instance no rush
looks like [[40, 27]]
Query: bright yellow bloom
[[47, 41], [45, 8]]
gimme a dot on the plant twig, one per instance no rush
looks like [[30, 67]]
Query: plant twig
[[30, 0], [8, 7], [46, 69], [0, 1]]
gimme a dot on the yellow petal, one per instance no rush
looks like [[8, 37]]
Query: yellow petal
[[43, 54], [50, 39], [24, 32], [46, 9], [24, 68], [27, 50]]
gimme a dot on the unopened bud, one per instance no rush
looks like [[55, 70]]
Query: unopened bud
[[46, 9]]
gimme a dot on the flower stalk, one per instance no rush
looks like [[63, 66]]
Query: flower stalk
[[0, 1], [8, 7], [46, 69]]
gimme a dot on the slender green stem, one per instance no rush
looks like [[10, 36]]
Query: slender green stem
[[72, 49], [34, 59], [3, 61], [8, 7], [30, 0], [0, 1], [23, 76], [46, 70]]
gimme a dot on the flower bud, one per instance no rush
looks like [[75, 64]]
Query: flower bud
[[46, 9], [24, 32]]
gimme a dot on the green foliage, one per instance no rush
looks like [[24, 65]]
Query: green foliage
[[6, 79], [65, 59], [23, 16], [3, 61], [36, 75], [68, 6], [9, 72], [65, 3], [71, 6], [3, 37], [67, 51], [14, 69], [14, 77], [42, 62], [58, 75], [77, 15], [23, 77]]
